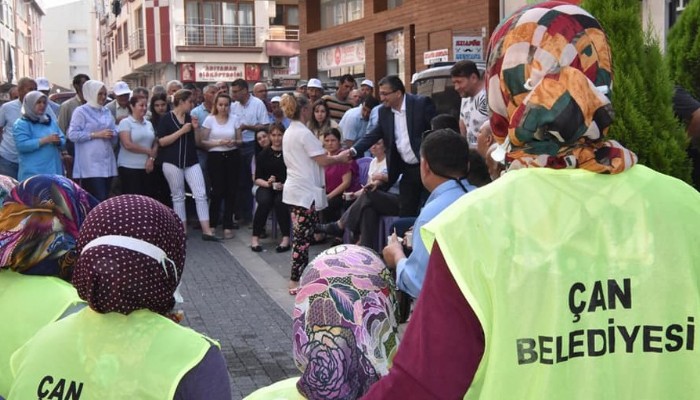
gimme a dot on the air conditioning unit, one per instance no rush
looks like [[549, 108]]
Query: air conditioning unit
[[279, 62]]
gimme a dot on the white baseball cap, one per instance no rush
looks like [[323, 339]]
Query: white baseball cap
[[368, 83], [276, 99], [121, 88], [314, 83], [42, 84]]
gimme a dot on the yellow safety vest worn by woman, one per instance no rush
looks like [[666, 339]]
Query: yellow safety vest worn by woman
[[27, 303], [590, 291], [107, 356]]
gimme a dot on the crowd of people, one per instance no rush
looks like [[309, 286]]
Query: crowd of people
[[504, 217]]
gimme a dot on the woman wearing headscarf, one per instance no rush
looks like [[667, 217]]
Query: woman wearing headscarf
[[94, 133], [132, 255], [38, 233], [345, 327], [6, 185], [569, 276], [38, 138]]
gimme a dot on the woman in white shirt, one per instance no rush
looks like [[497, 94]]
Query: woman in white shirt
[[221, 135], [304, 189], [138, 149]]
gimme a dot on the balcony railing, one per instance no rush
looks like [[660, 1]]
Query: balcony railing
[[280, 32], [136, 40], [220, 35]]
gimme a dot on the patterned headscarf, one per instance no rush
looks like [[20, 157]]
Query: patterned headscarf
[[549, 70], [6, 185], [28, 105], [345, 324], [90, 90], [132, 254], [39, 225]]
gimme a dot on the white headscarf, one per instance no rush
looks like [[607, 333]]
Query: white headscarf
[[90, 90], [30, 100]]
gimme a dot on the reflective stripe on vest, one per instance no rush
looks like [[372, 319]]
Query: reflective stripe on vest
[[27, 303], [107, 356], [586, 285]]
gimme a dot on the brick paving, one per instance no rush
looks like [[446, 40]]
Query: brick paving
[[223, 301]]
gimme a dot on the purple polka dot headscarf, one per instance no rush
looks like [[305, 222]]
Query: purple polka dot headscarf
[[112, 274]]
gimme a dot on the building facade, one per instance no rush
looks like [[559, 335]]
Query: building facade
[[21, 45], [70, 43], [148, 42], [375, 38]]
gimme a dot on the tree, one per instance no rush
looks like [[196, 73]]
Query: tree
[[683, 50], [642, 90]]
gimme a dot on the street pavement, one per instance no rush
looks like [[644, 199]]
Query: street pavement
[[240, 299]]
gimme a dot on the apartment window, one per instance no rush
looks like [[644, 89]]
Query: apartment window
[[118, 40], [77, 36], [676, 8], [220, 23], [286, 15], [394, 3], [338, 12], [125, 36]]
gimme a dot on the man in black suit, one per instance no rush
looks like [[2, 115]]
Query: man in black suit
[[402, 121]]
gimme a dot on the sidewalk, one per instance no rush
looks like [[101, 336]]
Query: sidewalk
[[223, 301]]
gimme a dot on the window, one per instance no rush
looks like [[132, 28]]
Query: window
[[394, 3], [286, 15], [125, 36], [676, 8], [220, 23], [338, 12], [119, 40]]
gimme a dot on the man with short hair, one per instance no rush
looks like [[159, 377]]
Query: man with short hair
[[9, 113], [43, 85], [469, 83], [339, 102], [260, 91], [65, 114], [141, 91], [14, 93], [252, 114], [444, 165], [223, 87], [354, 123], [401, 124], [119, 107], [314, 90], [200, 113], [158, 89], [173, 86]]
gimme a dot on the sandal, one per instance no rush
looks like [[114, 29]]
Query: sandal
[[256, 249], [293, 291], [282, 249]]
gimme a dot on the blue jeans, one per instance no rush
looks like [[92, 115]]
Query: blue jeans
[[98, 187], [8, 168]]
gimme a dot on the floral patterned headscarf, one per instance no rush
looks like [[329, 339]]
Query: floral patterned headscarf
[[39, 225], [549, 70], [6, 185], [345, 323]]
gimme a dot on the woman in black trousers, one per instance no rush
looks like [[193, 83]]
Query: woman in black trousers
[[270, 174]]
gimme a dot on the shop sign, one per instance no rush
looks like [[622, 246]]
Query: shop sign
[[434, 56], [468, 47], [214, 72], [342, 55]]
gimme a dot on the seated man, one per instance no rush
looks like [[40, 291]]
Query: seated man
[[373, 201], [444, 167]]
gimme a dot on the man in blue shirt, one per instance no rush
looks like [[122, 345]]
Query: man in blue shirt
[[353, 125], [443, 169], [252, 113]]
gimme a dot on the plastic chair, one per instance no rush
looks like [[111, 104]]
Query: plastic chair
[[363, 164]]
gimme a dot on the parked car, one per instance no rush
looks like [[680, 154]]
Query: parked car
[[436, 83]]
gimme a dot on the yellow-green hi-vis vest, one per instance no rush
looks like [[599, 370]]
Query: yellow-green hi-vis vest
[[27, 303], [89, 356], [586, 285], [282, 390]]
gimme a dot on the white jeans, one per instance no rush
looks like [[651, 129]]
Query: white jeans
[[176, 180]]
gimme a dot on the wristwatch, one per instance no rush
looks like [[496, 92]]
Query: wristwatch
[[353, 152]]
